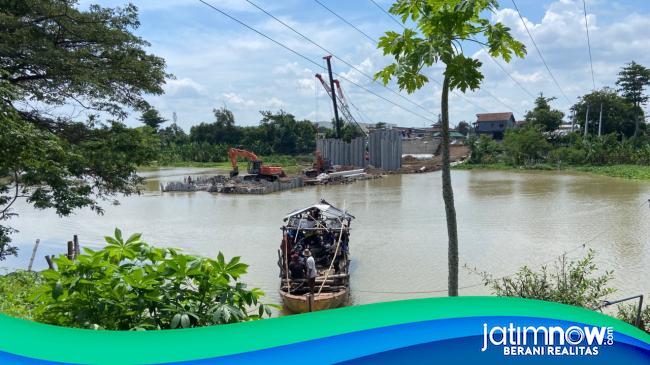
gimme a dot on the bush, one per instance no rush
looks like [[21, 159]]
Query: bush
[[627, 313], [16, 289], [130, 285], [483, 150], [572, 282], [525, 146]]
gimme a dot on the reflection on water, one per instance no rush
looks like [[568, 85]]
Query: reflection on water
[[398, 242]]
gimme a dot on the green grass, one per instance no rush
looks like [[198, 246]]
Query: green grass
[[633, 172]]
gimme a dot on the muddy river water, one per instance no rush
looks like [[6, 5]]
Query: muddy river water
[[398, 242]]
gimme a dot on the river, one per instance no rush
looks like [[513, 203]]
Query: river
[[398, 241]]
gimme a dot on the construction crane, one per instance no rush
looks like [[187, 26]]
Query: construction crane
[[343, 103], [255, 165]]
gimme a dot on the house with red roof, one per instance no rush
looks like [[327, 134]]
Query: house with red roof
[[494, 124]]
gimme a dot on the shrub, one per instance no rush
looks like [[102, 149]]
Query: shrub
[[627, 313], [524, 146], [131, 285], [483, 150], [571, 282], [16, 289]]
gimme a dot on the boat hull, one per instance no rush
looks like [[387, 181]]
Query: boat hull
[[323, 301]]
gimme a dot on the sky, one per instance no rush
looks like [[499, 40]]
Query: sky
[[217, 62]]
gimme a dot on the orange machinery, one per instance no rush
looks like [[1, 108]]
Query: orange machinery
[[255, 165]]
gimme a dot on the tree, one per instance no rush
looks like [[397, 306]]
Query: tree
[[525, 145], [380, 125], [53, 54], [152, 118], [224, 117], [618, 113], [463, 128], [542, 115], [442, 26], [632, 79]]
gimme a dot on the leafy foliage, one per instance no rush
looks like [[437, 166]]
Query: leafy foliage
[[628, 312], [277, 133], [16, 289], [619, 116], [152, 118], [571, 282], [542, 115], [52, 54], [484, 150], [526, 145], [129, 285], [632, 79], [441, 27]]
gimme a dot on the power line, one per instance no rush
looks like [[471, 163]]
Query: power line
[[337, 57], [346, 22], [311, 61], [508, 73], [388, 14], [540, 52], [494, 60], [376, 42], [591, 62]]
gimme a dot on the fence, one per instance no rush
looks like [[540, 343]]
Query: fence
[[384, 150]]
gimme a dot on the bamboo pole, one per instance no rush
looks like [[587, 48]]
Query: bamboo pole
[[336, 252], [31, 259]]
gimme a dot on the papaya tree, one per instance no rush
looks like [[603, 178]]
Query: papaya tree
[[441, 28]]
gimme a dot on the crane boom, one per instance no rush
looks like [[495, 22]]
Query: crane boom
[[345, 110]]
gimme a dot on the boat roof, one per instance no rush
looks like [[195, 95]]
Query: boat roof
[[325, 208]]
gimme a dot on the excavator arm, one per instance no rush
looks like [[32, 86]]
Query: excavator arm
[[256, 167]]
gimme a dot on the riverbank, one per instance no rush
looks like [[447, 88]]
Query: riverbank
[[290, 164], [632, 172]]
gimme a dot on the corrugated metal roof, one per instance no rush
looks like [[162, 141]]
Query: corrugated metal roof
[[493, 117], [325, 208]]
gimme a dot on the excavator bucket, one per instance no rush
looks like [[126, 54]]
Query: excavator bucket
[[234, 172]]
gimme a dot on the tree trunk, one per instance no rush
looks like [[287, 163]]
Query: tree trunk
[[448, 194]]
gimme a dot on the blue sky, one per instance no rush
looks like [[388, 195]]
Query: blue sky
[[218, 62]]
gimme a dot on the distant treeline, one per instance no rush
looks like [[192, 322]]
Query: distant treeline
[[277, 133]]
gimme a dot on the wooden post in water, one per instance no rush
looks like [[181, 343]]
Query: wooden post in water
[[310, 302], [70, 253], [77, 249], [31, 259], [50, 264]]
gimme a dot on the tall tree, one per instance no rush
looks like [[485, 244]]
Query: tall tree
[[441, 28], [54, 54], [618, 113], [463, 127], [152, 118], [632, 79], [224, 117], [542, 114]]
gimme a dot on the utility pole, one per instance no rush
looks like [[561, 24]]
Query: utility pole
[[600, 120], [337, 124], [587, 120]]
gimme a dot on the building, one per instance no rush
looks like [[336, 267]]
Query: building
[[455, 137], [494, 124]]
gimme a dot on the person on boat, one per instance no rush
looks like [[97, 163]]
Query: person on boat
[[311, 270], [297, 268]]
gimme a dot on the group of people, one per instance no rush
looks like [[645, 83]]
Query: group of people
[[306, 249]]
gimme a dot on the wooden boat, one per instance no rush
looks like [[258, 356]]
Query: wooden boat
[[324, 230]]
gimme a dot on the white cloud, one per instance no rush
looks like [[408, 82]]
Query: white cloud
[[218, 61]]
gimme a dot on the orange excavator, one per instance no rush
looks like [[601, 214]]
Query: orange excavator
[[255, 165]]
